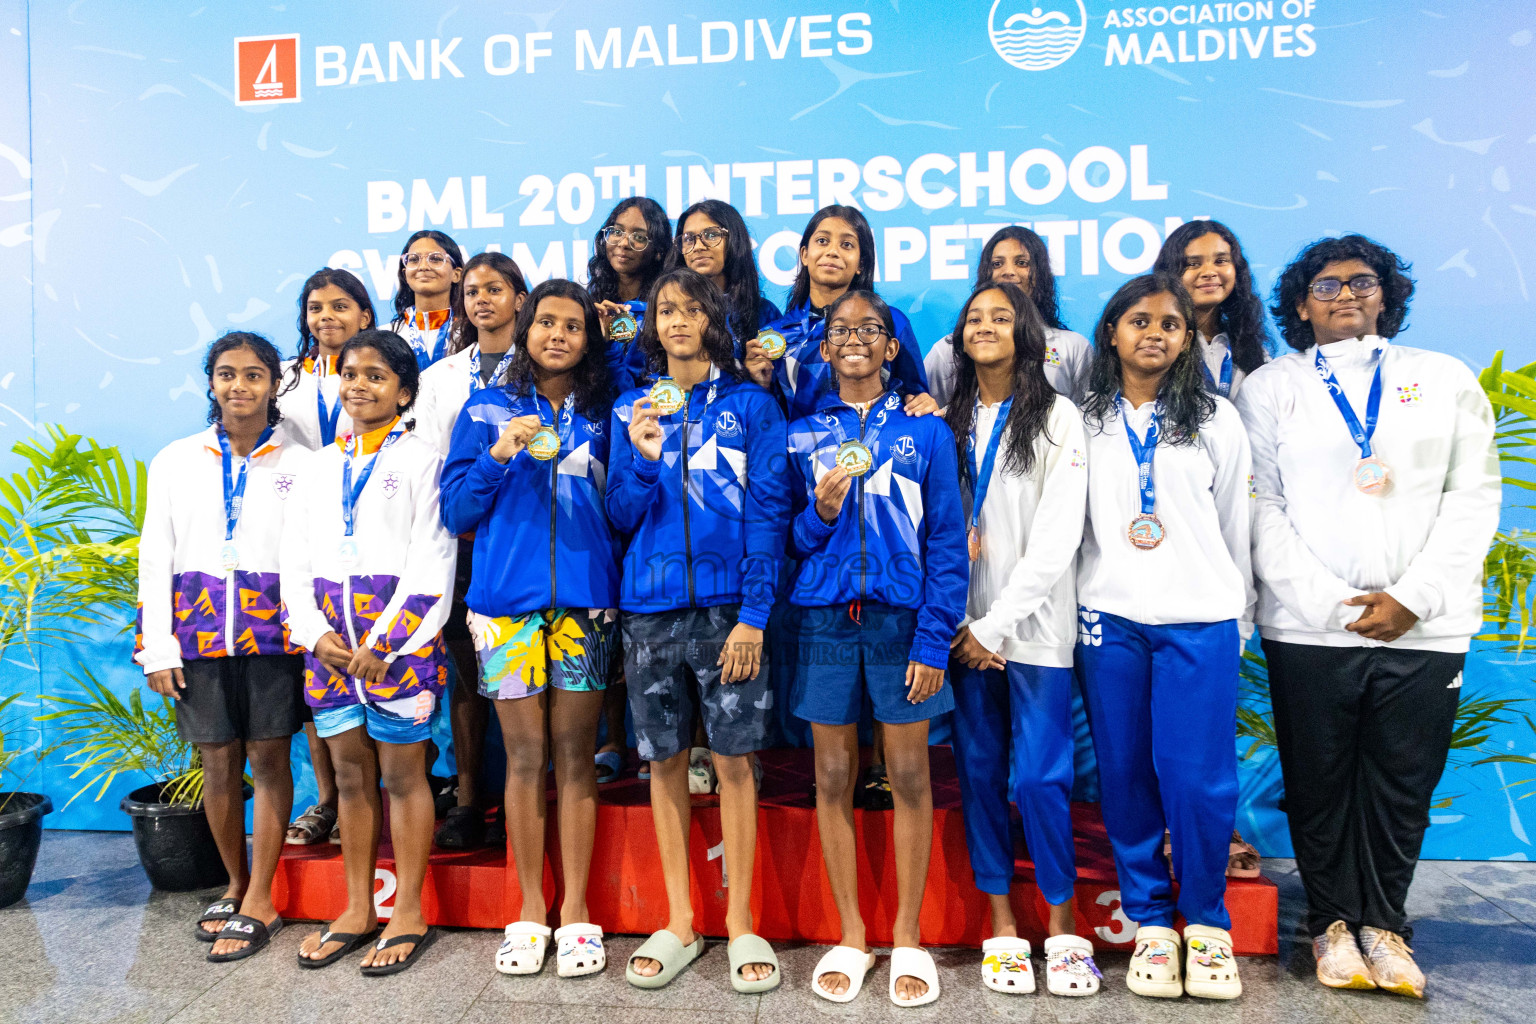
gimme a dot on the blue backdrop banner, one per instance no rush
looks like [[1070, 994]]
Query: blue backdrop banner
[[170, 171]]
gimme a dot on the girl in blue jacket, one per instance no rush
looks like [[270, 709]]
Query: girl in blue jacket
[[525, 474], [697, 481], [880, 591], [628, 254]]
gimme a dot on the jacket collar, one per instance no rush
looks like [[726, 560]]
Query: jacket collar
[[210, 439]]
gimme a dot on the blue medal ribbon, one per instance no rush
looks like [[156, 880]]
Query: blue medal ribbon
[[328, 417], [234, 486], [1361, 434], [982, 480], [1143, 451], [871, 428], [1222, 387], [350, 493]]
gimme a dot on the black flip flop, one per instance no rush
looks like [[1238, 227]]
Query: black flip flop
[[254, 932], [349, 940], [422, 942], [221, 911]]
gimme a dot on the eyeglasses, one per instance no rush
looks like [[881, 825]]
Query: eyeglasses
[[709, 237], [1360, 286], [434, 259], [867, 333], [638, 238]]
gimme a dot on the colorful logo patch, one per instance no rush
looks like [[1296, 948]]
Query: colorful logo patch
[[1409, 395]]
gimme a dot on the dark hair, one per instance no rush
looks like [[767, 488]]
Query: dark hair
[[1241, 314], [594, 386], [263, 350], [1042, 281], [881, 307], [464, 332], [398, 356], [404, 297], [800, 291], [602, 279], [1033, 395], [1291, 289], [718, 344], [742, 291], [323, 278], [1182, 394]]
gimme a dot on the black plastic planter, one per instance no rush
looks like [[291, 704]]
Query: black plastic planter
[[21, 831], [175, 845]]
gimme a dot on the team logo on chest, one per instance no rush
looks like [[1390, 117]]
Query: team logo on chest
[[391, 484], [282, 484], [1052, 357], [904, 449], [727, 425], [1410, 394]]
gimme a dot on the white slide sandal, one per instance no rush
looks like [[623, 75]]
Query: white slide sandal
[[1069, 966], [847, 961], [522, 948], [1005, 965], [912, 962], [579, 950], [1211, 970]]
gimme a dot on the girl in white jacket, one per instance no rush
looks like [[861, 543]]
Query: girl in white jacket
[[1378, 492], [367, 577], [210, 634], [1024, 465], [1165, 592]]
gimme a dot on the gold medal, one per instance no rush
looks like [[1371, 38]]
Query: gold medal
[[854, 457], [773, 344], [544, 444], [973, 543], [666, 396], [623, 327], [1146, 531]]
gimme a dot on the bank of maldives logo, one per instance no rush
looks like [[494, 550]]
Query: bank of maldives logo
[[1037, 37], [267, 69]]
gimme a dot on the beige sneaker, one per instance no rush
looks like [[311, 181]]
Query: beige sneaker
[[1339, 963], [1391, 962]]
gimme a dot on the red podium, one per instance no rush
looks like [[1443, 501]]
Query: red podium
[[790, 896]]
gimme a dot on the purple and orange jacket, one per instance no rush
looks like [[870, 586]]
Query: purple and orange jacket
[[395, 597], [190, 607]]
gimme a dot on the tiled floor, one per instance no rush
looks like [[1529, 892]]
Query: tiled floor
[[92, 942]]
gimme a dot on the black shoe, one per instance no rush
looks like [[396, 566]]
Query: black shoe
[[877, 789], [496, 830], [445, 795], [463, 829]]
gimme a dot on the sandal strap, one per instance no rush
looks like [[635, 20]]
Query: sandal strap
[[400, 940], [258, 928], [220, 911]]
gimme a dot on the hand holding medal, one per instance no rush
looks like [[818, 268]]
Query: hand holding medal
[[759, 354], [854, 457], [545, 443], [645, 429], [515, 436], [831, 491]]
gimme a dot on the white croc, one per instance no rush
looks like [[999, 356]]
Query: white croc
[[1154, 969], [1069, 966], [522, 949], [912, 962], [845, 960], [1005, 965], [1211, 970], [579, 950], [701, 771]]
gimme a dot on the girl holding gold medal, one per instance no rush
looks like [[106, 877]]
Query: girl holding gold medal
[[525, 474], [697, 481], [879, 590], [1025, 471], [1165, 599], [1378, 493], [367, 574], [628, 254], [837, 254]]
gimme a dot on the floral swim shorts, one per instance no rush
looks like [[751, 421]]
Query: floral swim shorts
[[567, 648]]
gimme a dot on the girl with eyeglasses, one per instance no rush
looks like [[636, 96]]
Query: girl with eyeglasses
[[1229, 315], [1016, 255], [1378, 493], [837, 255], [712, 240], [628, 253], [428, 287], [878, 592]]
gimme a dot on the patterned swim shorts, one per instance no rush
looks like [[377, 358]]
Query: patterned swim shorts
[[567, 648]]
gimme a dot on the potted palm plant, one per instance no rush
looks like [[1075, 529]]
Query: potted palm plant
[[21, 814], [69, 576]]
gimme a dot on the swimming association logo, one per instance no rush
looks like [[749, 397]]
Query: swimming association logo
[[904, 449], [1039, 36], [267, 69]]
